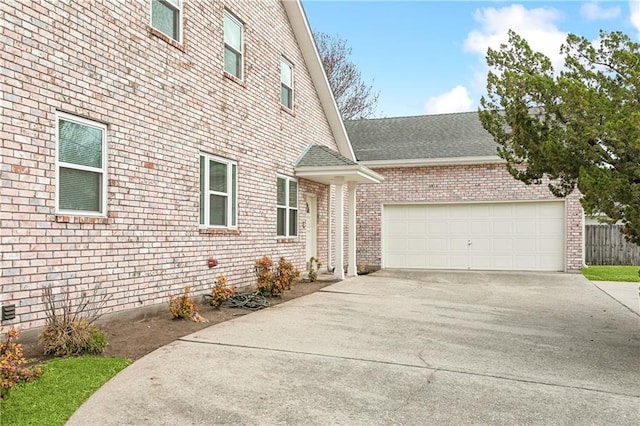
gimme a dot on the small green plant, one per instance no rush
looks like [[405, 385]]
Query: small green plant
[[70, 327], [183, 307], [11, 359], [221, 292], [312, 271]]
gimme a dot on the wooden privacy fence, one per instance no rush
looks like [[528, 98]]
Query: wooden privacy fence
[[606, 245]]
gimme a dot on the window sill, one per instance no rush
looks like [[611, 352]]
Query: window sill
[[218, 231], [287, 240], [83, 219], [234, 79], [287, 110], [159, 34]]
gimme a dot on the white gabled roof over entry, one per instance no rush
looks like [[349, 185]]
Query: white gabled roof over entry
[[300, 26], [321, 164]]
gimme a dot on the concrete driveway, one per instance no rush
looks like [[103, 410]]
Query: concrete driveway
[[398, 347]]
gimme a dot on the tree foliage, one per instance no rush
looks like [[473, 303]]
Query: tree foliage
[[579, 126], [355, 98]]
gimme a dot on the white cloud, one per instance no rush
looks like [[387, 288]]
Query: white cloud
[[593, 11], [456, 100], [537, 26], [634, 7]]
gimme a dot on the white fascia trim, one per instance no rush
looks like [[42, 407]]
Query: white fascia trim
[[446, 161], [300, 26], [359, 172]]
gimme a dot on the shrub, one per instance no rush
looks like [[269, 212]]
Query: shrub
[[184, 307], [11, 359], [285, 274], [274, 283], [70, 328], [263, 269], [221, 292], [76, 337]]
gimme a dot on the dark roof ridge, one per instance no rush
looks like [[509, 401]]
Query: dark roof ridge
[[412, 116]]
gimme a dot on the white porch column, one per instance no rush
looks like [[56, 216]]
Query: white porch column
[[339, 247], [329, 227], [352, 269]]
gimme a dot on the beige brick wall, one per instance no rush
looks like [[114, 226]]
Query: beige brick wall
[[452, 184], [163, 104]]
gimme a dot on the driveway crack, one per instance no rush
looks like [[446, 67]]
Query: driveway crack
[[433, 369]]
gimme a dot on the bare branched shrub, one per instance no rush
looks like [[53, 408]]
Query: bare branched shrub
[[70, 327]]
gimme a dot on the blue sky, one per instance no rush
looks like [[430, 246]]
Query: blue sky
[[427, 57]]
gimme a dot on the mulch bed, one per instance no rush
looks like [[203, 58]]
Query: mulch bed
[[134, 337]]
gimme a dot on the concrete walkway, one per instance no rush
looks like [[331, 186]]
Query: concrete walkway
[[628, 294], [398, 348]]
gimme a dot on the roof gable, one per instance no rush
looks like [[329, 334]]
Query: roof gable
[[304, 37], [320, 155]]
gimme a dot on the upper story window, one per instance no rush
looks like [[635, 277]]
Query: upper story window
[[287, 205], [286, 83], [218, 192], [166, 17], [81, 165], [233, 45]]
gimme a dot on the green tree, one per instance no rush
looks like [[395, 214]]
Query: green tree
[[578, 126]]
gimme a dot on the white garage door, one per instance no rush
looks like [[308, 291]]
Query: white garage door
[[492, 236]]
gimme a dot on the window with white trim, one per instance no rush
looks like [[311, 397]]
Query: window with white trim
[[287, 205], [218, 192], [166, 17], [81, 164], [286, 83], [233, 45]]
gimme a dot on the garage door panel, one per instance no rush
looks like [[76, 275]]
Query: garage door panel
[[397, 245], [480, 245], [458, 244], [416, 213], [481, 262], [503, 211], [547, 245], [461, 213], [417, 228], [493, 236], [502, 244], [415, 261], [437, 228], [528, 228], [503, 228], [419, 244], [397, 228], [481, 228]]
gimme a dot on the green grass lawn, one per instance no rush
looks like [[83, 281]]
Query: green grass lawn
[[64, 385], [612, 273]]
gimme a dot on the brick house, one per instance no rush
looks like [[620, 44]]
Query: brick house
[[139, 141], [448, 202]]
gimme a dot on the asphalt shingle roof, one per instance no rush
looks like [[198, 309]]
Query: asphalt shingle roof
[[319, 156], [420, 137]]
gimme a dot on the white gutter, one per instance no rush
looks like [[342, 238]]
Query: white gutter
[[445, 161], [298, 21]]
